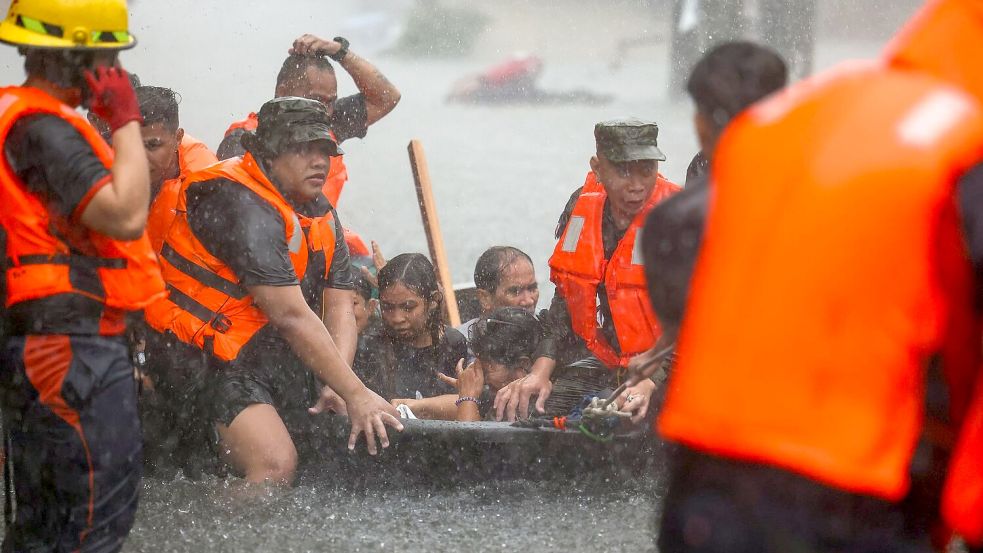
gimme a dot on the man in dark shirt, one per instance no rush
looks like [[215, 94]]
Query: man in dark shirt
[[278, 366], [726, 81], [307, 73], [71, 429]]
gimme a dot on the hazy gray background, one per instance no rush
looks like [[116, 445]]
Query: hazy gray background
[[501, 174]]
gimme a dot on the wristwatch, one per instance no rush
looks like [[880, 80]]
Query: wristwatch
[[343, 51]]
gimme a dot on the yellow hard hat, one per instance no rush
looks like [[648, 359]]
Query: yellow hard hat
[[73, 24]]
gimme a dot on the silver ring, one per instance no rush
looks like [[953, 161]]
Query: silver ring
[[628, 398]]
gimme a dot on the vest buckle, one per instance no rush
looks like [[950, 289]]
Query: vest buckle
[[221, 323]]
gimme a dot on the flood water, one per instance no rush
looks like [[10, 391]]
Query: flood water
[[502, 176]]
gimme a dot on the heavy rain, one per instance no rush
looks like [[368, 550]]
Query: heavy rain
[[500, 164]]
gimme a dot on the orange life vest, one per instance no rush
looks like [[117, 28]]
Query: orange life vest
[[356, 246], [962, 497], [43, 249], [831, 270], [337, 173], [578, 267], [193, 155], [207, 306], [942, 40]]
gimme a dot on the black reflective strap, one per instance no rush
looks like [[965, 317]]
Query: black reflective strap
[[201, 274], [80, 261], [218, 321]]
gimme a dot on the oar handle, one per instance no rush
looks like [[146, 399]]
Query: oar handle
[[431, 225]]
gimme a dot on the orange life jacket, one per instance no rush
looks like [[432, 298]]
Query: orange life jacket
[[356, 246], [831, 270], [962, 497], [942, 40], [43, 249], [337, 173], [207, 306], [193, 155], [578, 267]]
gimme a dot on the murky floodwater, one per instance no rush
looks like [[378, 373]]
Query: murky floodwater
[[501, 176], [216, 515]]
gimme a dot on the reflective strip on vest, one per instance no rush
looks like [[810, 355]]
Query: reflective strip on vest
[[572, 237]]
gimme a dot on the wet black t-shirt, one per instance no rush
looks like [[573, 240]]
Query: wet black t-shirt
[[396, 370], [349, 120], [55, 162], [244, 231]]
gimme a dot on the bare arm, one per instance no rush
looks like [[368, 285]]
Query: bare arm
[[307, 336], [431, 408], [119, 209], [381, 96], [339, 318]]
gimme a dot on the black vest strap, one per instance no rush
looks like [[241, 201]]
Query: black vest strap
[[201, 274], [218, 321]]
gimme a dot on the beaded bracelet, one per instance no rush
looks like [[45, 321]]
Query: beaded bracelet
[[461, 400]]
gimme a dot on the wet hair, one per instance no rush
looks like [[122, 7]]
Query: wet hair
[[295, 68], [731, 77], [490, 266], [159, 105], [362, 286], [414, 271], [506, 336]]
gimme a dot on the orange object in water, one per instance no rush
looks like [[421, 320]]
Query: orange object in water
[[49, 255], [193, 155], [334, 184], [832, 268], [578, 267], [207, 306]]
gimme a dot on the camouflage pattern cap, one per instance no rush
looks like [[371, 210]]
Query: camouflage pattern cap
[[629, 139], [291, 120]]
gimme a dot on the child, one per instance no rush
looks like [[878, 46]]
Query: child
[[504, 342], [403, 357]]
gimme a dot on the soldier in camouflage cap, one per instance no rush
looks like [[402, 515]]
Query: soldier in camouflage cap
[[630, 139], [594, 331], [289, 121]]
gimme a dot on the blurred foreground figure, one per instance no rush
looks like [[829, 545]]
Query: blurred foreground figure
[[724, 83], [832, 277], [247, 276], [77, 262], [308, 73], [600, 319]]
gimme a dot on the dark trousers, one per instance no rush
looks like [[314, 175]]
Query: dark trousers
[[719, 505], [73, 443]]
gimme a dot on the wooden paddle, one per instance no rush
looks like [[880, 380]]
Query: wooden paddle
[[431, 224]]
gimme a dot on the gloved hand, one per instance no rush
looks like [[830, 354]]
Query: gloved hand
[[112, 96]]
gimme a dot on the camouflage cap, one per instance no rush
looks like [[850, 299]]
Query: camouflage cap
[[628, 139], [290, 120]]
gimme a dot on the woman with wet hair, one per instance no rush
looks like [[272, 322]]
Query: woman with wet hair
[[504, 342], [413, 344]]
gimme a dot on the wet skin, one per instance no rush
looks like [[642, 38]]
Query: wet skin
[[316, 84], [301, 169], [161, 144], [628, 184], [405, 314], [518, 288]]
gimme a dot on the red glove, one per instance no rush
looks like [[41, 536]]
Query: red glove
[[112, 97]]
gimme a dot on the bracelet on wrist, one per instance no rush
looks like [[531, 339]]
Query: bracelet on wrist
[[462, 399]]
